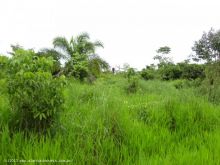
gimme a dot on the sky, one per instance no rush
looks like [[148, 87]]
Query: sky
[[131, 30]]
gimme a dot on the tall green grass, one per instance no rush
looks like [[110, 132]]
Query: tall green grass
[[102, 124]]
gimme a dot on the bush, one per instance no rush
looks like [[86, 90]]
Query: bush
[[35, 96], [182, 70], [133, 85], [170, 72], [132, 79], [192, 71], [179, 84], [130, 73], [148, 73], [77, 69]]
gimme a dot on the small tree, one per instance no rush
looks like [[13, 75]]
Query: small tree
[[208, 50], [162, 56], [208, 47], [77, 52], [35, 96]]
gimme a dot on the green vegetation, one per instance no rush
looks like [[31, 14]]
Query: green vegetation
[[101, 124], [79, 53], [35, 96], [82, 113]]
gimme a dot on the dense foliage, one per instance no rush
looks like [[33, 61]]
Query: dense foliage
[[208, 47], [174, 71], [35, 96], [3, 66]]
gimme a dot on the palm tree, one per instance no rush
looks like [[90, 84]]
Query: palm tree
[[79, 45], [76, 52]]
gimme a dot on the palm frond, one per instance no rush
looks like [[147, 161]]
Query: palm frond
[[101, 62], [98, 44], [51, 53], [63, 44], [82, 37]]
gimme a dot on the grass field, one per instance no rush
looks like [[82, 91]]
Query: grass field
[[103, 124]]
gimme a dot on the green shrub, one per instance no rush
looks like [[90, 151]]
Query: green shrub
[[77, 69], [130, 73], [170, 72], [192, 71], [178, 84], [132, 79], [148, 73], [35, 96], [133, 85], [182, 70]]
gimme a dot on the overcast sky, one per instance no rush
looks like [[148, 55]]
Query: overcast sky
[[131, 30]]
